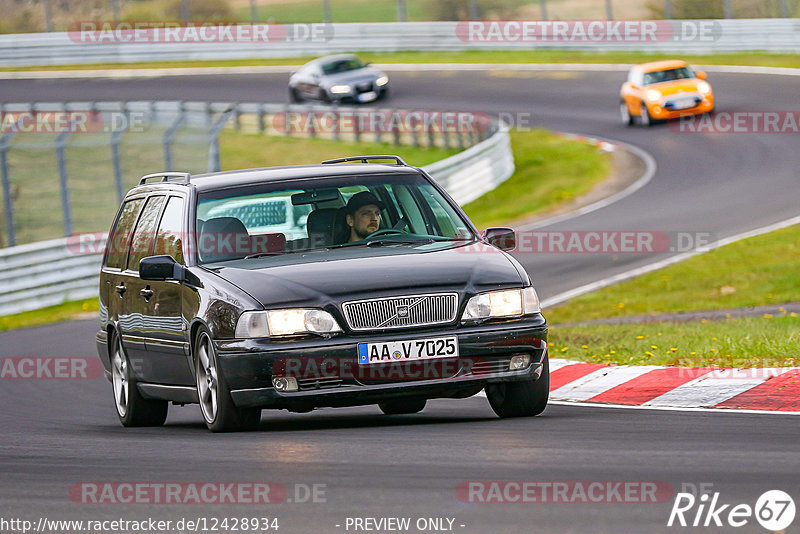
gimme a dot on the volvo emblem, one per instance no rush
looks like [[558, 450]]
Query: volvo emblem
[[402, 312]]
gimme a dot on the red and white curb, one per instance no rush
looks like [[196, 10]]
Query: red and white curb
[[763, 389]]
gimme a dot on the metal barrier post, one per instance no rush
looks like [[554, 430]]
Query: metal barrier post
[[61, 143], [168, 136], [214, 162], [8, 203], [116, 135]]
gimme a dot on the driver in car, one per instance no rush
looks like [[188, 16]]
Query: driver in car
[[363, 215]]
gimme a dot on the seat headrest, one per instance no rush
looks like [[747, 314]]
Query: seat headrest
[[320, 226], [223, 238]]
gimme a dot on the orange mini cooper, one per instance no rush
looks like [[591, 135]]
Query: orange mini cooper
[[664, 90]]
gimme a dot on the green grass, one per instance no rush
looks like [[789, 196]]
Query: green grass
[[475, 56], [550, 170], [745, 342], [62, 312], [758, 271], [241, 151], [341, 11]]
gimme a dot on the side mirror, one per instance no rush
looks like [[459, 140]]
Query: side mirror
[[159, 268], [502, 238], [700, 74]]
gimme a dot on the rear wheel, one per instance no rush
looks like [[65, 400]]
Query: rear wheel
[[132, 408], [219, 411], [521, 399], [625, 114], [644, 116], [403, 406]]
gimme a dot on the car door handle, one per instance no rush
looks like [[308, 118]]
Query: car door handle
[[121, 289], [146, 293]]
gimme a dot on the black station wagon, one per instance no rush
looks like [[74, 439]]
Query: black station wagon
[[383, 292]]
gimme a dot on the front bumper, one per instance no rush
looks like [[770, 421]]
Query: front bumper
[[660, 112], [329, 375]]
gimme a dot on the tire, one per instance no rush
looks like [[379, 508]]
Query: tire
[[625, 114], [644, 116], [219, 412], [403, 406], [132, 409], [521, 399], [294, 95]]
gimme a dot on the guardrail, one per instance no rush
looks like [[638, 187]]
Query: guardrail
[[678, 36], [46, 273]]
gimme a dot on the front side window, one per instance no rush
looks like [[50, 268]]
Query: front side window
[[144, 235], [325, 214], [170, 230]]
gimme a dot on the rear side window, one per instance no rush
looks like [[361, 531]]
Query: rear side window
[[170, 230], [121, 234], [143, 236]]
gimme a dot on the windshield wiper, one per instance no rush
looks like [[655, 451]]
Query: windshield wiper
[[390, 241], [260, 254]]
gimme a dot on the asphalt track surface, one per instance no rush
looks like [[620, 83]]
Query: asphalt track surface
[[56, 433]]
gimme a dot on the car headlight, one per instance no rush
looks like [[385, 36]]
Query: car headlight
[[505, 303], [383, 80], [287, 322], [340, 89], [704, 87], [653, 95]]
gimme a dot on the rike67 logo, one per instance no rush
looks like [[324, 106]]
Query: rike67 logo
[[774, 510]]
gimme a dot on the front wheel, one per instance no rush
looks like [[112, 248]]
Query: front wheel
[[521, 399], [219, 411], [132, 408], [644, 116], [294, 95]]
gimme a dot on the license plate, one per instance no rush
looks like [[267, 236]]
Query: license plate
[[367, 97], [683, 104], [403, 351]]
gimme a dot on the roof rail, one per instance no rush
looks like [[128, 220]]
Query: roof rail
[[365, 159], [165, 177]]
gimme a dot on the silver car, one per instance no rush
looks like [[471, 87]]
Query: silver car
[[342, 77]]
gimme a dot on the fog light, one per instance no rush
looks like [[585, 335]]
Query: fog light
[[285, 383], [519, 361]]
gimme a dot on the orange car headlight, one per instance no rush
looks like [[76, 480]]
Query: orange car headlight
[[653, 95], [704, 87]]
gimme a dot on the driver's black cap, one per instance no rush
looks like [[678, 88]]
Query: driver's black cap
[[361, 199]]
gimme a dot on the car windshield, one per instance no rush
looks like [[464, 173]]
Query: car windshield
[[323, 215], [667, 75], [342, 65]]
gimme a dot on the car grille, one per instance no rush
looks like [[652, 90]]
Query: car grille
[[401, 312], [364, 87], [490, 366], [305, 384]]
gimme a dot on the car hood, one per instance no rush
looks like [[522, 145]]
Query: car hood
[[676, 86], [319, 283], [367, 74]]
